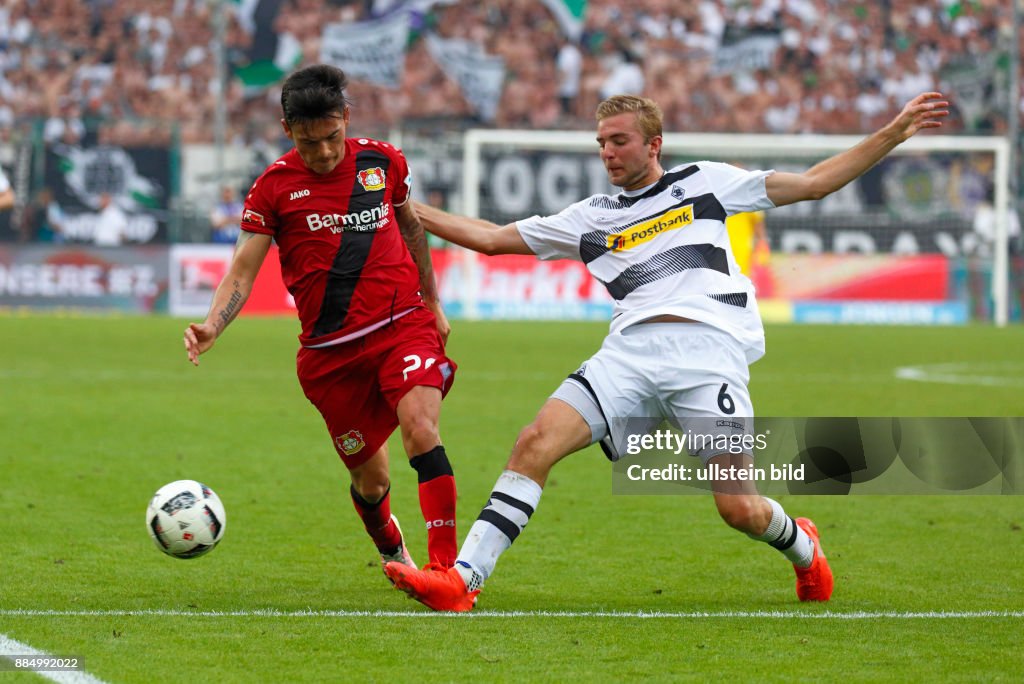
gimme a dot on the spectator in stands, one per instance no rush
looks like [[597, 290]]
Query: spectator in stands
[[111, 223], [625, 76], [132, 61], [6, 193], [66, 126], [43, 219], [570, 69], [984, 226], [979, 247], [746, 234], [226, 217]]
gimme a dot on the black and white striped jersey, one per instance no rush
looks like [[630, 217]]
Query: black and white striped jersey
[[664, 249]]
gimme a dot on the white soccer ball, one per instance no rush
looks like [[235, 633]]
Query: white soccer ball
[[185, 519]]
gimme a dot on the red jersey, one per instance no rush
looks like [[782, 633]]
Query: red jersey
[[342, 255]]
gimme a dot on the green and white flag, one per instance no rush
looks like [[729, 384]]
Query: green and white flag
[[481, 77], [569, 14], [91, 171], [272, 55], [372, 51], [263, 73]]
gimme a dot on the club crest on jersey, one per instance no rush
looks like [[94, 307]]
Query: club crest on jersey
[[253, 217], [371, 179], [351, 442], [645, 231]]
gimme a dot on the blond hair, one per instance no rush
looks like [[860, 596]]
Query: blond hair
[[648, 113]]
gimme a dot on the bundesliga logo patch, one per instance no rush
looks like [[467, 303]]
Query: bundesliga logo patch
[[254, 218], [371, 179]]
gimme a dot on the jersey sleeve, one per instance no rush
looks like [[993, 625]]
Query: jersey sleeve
[[401, 177], [257, 214], [556, 236], [738, 190]]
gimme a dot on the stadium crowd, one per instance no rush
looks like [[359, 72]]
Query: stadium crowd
[[829, 66]]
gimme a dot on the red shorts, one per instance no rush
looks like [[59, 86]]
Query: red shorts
[[357, 385]]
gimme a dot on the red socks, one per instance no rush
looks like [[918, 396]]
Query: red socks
[[437, 502], [377, 520]]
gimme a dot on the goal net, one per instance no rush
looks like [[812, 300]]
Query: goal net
[[924, 237]]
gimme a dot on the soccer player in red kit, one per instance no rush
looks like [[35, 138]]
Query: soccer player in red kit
[[354, 256]]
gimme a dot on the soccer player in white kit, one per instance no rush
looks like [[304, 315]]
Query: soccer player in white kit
[[684, 329]]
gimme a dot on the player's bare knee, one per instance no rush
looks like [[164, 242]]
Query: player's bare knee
[[420, 435], [741, 513], [373, 494], [371, 486], [532, 450]]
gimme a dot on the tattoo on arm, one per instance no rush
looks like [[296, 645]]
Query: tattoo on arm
[[243, 237], [416, 240], [230, 310]]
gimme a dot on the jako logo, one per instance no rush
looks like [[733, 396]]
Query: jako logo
[[366, 221], [298, 193]]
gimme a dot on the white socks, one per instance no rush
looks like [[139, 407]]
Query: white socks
[[512, 502], [515, 498], [786, 536]]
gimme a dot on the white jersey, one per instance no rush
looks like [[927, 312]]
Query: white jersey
[[664, 249]]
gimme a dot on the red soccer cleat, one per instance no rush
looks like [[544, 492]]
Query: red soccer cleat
[[434, 586], [815, 582]]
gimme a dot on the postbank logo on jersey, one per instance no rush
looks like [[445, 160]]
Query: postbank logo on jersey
[[351, 442], [371, 179], [645, 231], [365, 221]]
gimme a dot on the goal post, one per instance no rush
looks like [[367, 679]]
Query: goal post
[[801, 150]]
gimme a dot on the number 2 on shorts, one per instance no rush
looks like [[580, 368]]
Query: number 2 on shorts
[[415, 362]]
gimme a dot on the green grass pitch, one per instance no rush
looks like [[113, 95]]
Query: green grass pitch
[[97, 413]]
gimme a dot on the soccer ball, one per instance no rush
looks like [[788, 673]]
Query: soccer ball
[[185, 519]]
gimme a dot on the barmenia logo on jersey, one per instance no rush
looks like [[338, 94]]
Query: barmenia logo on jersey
[[351, 442], [372, 179], [365, 221], [646, 231]]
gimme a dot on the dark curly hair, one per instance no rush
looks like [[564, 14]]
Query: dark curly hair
[[315, 92]]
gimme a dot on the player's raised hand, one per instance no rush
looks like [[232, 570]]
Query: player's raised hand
[[925, 111], [199, 337], [443, 327]]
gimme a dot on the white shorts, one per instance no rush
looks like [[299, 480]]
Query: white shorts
[[691, 375]]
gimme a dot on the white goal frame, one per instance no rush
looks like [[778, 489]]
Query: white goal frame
[[707, 145]]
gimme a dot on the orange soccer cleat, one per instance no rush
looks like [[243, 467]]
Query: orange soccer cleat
[[815, 582], [434, 586]]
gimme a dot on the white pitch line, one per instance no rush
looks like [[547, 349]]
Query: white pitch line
[[980, 374], [694, 615], [9, 648]]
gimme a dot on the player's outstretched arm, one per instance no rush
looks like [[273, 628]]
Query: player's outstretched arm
[[231, 294], [924, 111], [475, 234], [416, 240]]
